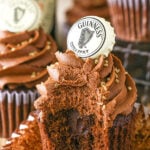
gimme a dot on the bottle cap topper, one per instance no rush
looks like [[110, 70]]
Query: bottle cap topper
[[19, 15], [91, 36]]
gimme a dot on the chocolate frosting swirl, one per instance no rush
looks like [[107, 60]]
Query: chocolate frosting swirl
[[24, 57], [100, 87]]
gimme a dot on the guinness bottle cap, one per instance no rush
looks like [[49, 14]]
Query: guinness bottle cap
[[19, 15], [91, 36]]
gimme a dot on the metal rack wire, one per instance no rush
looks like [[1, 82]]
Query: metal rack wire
[[136, 59]]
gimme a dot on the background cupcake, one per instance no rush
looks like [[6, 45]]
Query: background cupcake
[[23, 47], [130, 19]]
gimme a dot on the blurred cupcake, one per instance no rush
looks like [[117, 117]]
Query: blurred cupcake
[[130, 19], [131, 22], [86, 8], [25, 51]]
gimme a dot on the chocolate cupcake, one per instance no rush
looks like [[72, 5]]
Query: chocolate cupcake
[[25, 51], [83, 104], [22, 67], [130, 19], [87, 101]]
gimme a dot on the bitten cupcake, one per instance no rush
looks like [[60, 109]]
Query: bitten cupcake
[[130, 19], [87, 101], [86, 104], [25, 51]]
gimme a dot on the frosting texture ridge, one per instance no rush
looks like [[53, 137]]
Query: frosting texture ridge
[[100, 87]]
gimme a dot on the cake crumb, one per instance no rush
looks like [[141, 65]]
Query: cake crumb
[[117, 70], [24, 42], [117, 81], [105, 65], [4, 67], [129, 88], [33, 53], [13, 49], [96, 61], [33, 75], [30, 40]]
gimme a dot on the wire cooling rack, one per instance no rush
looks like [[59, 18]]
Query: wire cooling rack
[[136, 59]]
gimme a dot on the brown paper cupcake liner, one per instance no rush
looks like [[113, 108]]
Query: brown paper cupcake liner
[[130, 19], [14, 107], [28, 135]]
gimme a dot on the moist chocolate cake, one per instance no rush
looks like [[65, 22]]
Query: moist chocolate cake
[[30, 136], [86, 104]]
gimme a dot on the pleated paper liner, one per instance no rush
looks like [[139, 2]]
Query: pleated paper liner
[[28, 136], [14, 107], [130, 19]]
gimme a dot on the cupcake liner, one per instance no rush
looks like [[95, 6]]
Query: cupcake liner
[[14, 107], [30, 128], [130, 19]]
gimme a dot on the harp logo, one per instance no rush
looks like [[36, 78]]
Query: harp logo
[[19, 15], [86, 36]]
